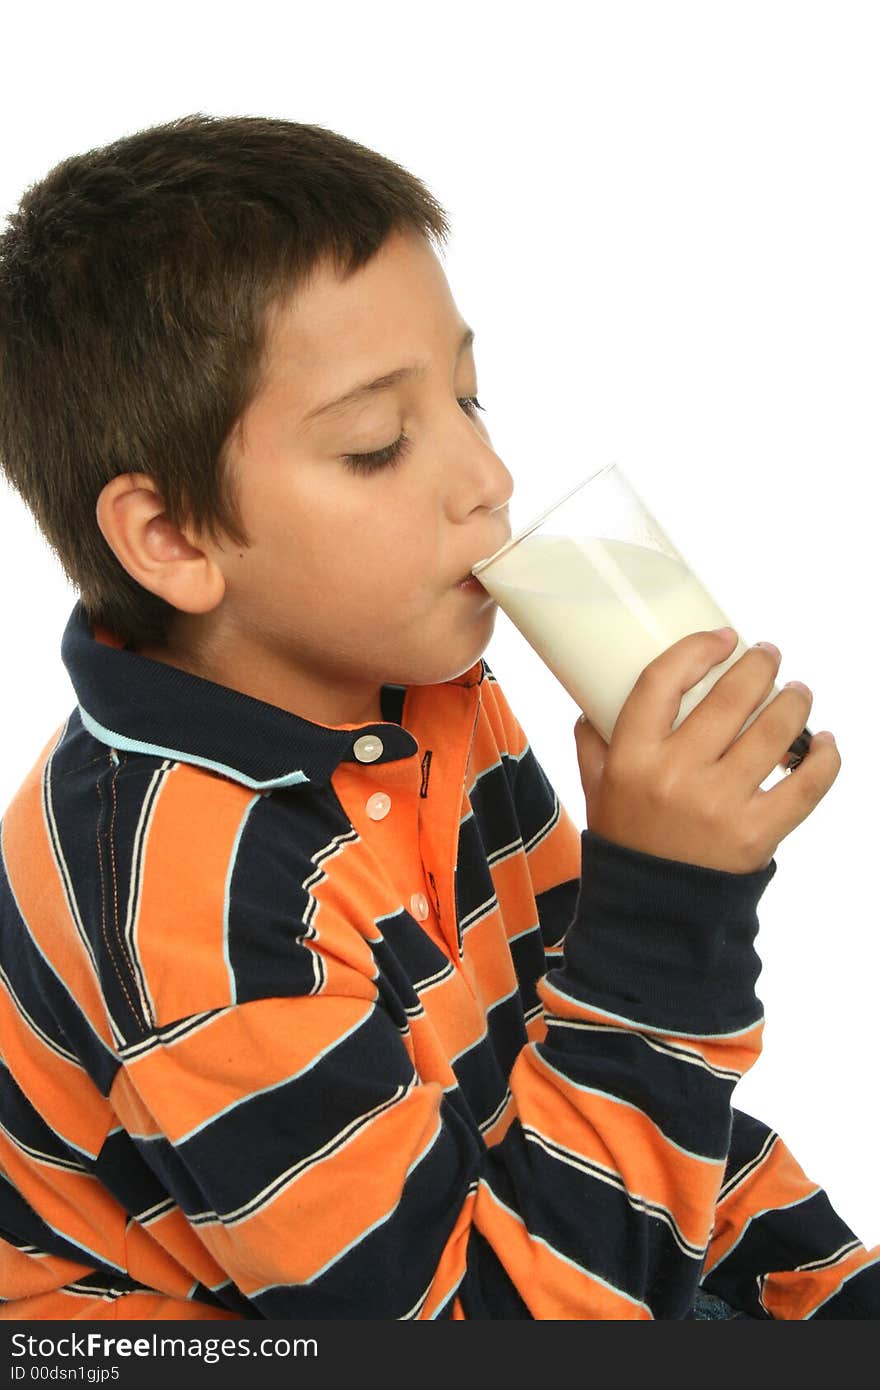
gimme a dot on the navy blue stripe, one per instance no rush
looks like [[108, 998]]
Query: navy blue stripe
[[642, 943], [376, 1279], [26, 1126], [32, 977], [678, 1096], [781, 1239], [124, 1173], [612, 1239], [283, 1125], [859, 1297], [269, 905]]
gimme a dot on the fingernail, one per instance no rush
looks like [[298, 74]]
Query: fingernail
[[769, 647], [797, 685]]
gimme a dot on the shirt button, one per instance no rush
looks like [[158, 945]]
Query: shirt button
[[378, 806], [368, 748], [418, 906]]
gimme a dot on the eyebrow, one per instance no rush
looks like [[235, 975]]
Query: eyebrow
[[381, 383]]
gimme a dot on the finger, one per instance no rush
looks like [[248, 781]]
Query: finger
[[653, 703], [592, 751], [781, 809], [713, 724], [766, 742]]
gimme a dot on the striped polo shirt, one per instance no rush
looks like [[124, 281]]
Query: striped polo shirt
[[311, 1021]]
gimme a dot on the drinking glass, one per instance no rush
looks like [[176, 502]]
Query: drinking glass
[[597, 588]]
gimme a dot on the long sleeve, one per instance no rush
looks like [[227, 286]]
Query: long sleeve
[[779, 1250]]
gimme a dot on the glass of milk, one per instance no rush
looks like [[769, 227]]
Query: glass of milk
[[597, 588]]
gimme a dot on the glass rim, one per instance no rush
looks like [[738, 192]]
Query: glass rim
[[533, 525]]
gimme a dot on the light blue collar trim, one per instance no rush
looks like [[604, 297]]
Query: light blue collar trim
[[132, 745]]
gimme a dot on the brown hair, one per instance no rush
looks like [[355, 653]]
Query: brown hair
[[135, 287]]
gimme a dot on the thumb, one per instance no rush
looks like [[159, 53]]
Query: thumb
[[592, 750]]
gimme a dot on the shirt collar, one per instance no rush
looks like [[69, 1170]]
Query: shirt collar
[[132, 702]]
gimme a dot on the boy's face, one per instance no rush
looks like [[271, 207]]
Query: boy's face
[[353, 577]]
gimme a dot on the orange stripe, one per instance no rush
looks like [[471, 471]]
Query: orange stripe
[[454, 1013], [536, 1028], [149, 1264], [331, 1205], [778, 1182], [70, 1307], [179, 928], [69, 1101], [498, 726], [794, 1294], [453, 1261], [352, 893], [737, 1054], [516, 892], [623, 1140], [174, 1233], [72, 1203], [158, 1309], [37, 885], [183, 1084], [488, 957], [23, 1276], [557, 857], [551, 1287], [430, 1057]]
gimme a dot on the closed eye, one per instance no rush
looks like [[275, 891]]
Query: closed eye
[[393, 453]]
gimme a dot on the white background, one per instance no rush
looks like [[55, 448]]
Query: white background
[[666, 225]]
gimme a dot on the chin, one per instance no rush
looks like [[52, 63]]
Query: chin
[[450, 661]]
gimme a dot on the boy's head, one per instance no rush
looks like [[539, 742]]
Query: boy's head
[[174, 309]]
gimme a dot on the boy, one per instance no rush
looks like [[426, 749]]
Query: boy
[[315, 1001]]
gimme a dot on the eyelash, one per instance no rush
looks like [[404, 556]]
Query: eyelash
[[393, 453]]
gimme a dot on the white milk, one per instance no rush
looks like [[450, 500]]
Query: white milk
[[598, 611]]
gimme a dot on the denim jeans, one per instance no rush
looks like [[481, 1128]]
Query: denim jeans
[[708, 1307]]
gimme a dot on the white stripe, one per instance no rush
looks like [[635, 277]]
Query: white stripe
[[755, 1162], [49, 966], [834, 1259], [35, 1027], [640, 1026], [681, 1054], [581, 1269], [368, 1230], [870, 1264], [756, 1216], [233, 858], [542, 834], [628, 1105], [601, 1173], [273, 1086], [282, 1181], [54, 838], [135, 883]]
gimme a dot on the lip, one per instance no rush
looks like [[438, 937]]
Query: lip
[[481, 560]]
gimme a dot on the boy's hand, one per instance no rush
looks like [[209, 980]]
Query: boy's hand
[[695, 795]]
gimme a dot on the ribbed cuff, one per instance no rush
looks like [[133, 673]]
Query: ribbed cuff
[[663, 942]]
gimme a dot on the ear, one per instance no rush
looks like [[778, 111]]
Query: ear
[[167, 561]]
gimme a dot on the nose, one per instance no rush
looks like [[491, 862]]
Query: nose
[[504, 490]]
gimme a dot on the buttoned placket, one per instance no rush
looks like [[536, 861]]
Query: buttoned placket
[[369, 748]]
